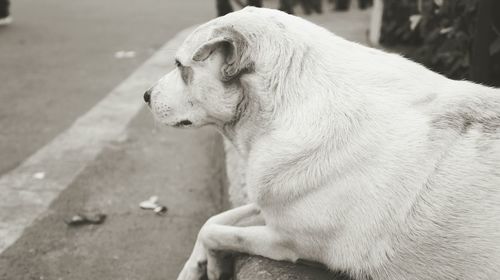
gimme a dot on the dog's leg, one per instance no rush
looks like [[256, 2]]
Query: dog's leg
[[202, 260], [196, 266], [256, 240], [218, 262], [245, 215]]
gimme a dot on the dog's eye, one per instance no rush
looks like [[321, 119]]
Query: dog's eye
[[178, 63]]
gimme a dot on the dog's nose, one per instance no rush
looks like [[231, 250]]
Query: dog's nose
[[147, 96]]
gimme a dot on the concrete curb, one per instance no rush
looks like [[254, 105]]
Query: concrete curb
[[259, 268]]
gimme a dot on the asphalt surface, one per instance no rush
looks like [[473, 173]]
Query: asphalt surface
[[182, 167], [56, 62], [58, 59]]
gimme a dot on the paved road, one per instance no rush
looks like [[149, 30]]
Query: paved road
[[132, 244], [57, 60]]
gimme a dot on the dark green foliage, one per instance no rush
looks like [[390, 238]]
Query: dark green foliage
[[309, 6], [444, 37], [223, 7], [255, 3], [342, 5], [396, 24], [447, 34]]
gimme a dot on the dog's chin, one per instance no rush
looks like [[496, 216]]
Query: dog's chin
[[177, 124]]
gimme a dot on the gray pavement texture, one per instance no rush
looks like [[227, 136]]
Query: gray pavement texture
[[24, 196], [57, 60], [132, 243]]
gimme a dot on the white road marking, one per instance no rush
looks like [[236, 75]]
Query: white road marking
[[25, 194]]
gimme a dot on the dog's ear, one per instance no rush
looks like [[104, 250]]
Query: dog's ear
[[236, 50]]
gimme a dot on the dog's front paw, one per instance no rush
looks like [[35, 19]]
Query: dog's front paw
[[194, 271], [219, 265]]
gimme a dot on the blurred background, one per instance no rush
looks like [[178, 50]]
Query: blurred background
[[68, 150]]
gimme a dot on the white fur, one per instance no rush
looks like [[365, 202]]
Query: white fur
[[359, 159]]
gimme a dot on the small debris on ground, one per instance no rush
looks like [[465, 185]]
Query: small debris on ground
[[85, 219], [152, 204], [160, 210], [39, 175], [124, 54]]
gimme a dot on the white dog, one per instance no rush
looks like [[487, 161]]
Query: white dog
[[358, 159]]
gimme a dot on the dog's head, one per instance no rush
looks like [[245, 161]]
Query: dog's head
[[205, 86]]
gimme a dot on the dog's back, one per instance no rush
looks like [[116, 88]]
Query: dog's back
[[453, 229]]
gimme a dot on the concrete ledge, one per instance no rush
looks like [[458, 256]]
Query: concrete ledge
[[259, 268]]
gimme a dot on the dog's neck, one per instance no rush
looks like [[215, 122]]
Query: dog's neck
[[248, 122], [292, 131]]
